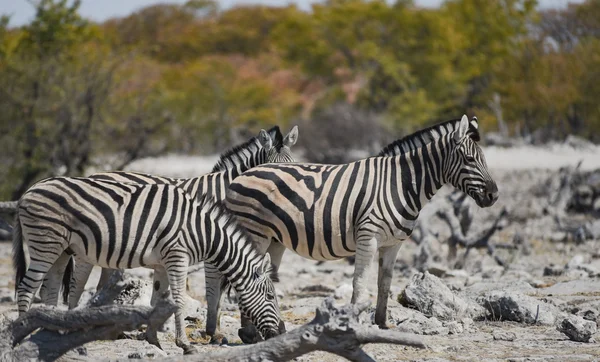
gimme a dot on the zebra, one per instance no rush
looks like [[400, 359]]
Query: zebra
[[327, 212], [117, 225], [268, 146]]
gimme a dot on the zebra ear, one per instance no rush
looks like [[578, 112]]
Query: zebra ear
[[265, 140], [291, 138], [266, 264], [463, 127]]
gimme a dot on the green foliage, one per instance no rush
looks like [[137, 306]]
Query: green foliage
[[193, 77]]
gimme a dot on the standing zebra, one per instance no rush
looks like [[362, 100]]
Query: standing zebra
[[268, 146], [327, 212], [118, 225]]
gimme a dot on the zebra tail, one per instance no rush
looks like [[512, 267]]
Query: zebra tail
[[18, 255], [66, 280]]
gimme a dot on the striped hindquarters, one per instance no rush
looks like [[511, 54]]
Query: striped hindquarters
[[312, 209], [113, 224]]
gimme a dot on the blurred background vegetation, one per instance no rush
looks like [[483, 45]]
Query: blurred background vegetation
[[195, 78]]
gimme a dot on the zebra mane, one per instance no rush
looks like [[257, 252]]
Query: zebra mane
[[234, 156], [428, 135]]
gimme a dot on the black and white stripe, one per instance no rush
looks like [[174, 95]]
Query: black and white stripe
[[326, 212], [268, 146], [117, 225]]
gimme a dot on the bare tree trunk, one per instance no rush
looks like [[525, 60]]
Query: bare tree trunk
[[83, 326], [334, 329]]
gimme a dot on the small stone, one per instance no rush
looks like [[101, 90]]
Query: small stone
[[575, 261], [438, 270], [344, 291], [454, 327], [135, 355], [553, 271], [81, 350], [577, 328], [504, 336], [589, 314], [467, 323]]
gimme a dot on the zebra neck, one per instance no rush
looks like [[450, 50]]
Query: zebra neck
[[420, 173], [231, 251]]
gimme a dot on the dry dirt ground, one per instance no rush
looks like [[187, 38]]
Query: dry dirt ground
[[303, 285]]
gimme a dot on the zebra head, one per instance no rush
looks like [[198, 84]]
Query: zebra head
[[258, 301], [281, 150], [466, 168]]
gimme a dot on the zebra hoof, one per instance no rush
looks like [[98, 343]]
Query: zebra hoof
[[189, 349], [384, 326], [217, 339]]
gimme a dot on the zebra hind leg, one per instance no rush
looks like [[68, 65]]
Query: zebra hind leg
[[160, 284], [41, 260], [365, 250], [51, 285], [213, 281], [176, 264], [387, 259], [81, 273]]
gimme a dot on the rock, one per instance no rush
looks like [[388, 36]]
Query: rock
[[431, 296], [148, 351], [504, 336], [467, 324], [420, 324], [438, 270], [553, 271], [589, 314], [136, 292], [454, 327], [572, 287], [577, 328], [516, 307], [479, 288], [558, 236], [575, 261], [344, 291]]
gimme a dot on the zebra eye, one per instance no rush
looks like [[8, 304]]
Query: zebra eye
[[270, 296], [470, 158]]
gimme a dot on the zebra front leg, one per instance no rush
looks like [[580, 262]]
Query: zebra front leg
[[365, 250], [213, 280], [52, 283], [81, 273], [176, 265], [387, 259]]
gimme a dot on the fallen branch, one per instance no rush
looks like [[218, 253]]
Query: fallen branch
[[334, 329], [459, 222], [8, 207], [81, 326]]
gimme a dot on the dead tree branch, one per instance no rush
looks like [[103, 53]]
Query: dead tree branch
[[459, 221], [65, 330], [334, 329], [8, 207]]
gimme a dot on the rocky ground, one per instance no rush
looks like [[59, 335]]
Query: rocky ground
[[541, 304]]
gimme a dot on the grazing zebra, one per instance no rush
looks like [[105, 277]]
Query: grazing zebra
[[117, 225], [327, 212], [268, 146]]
